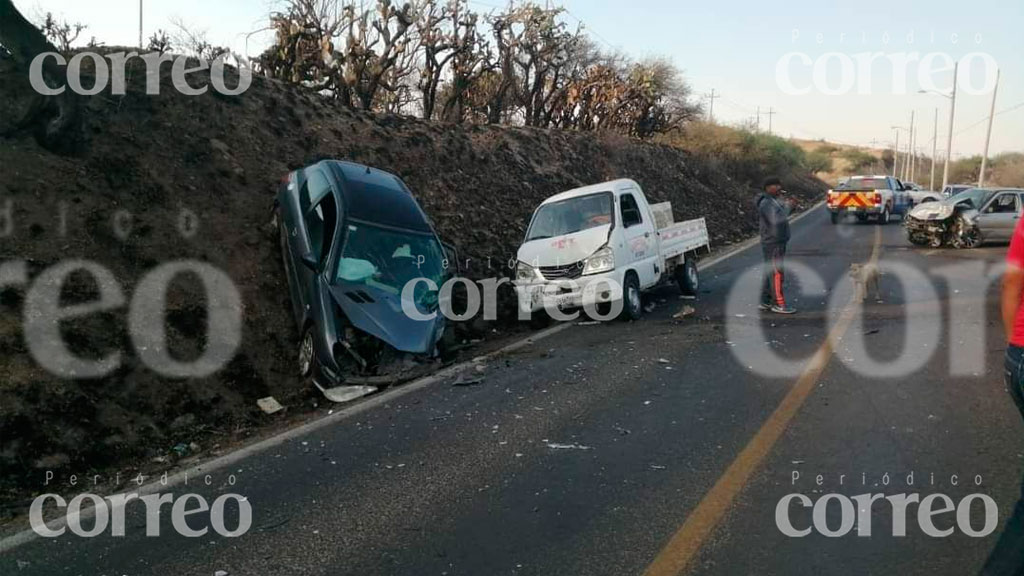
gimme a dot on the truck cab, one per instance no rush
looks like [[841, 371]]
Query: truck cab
[[604, 245]]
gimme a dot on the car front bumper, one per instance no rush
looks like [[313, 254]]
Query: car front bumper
[[563, 295], [916, 226]]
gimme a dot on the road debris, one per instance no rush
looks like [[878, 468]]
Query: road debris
[[590, 323], [685, 312], [663, 361], [556, 446], [465, 383], [269, 405], [658, 467]]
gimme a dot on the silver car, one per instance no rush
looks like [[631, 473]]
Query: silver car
[[968, 219]]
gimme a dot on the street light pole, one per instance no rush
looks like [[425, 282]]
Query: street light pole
[[949, 138], [908, 164], [988, 137], [896, 153], [935, 146]]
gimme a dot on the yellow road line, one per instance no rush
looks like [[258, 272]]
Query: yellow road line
[[688, 540]]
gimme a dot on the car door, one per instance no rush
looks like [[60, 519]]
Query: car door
[[309, 234], [640, 244], [999, 216]]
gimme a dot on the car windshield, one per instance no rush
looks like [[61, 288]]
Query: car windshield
[[571, 216], [976, 196], [865, 184], [389, 259]]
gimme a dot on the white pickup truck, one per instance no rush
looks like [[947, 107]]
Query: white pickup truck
[[603, 245]]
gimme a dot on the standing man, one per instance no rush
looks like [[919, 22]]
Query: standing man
[[773, 219], [1008, 556]]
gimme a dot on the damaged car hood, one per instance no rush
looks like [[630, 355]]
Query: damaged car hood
[[379, 313], [564, 250]]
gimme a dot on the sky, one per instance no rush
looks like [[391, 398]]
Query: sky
[[734, 47]]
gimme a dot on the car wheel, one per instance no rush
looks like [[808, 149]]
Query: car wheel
[[688, 278], [632, 302], [967, 236], [306, 354], [917, 239]]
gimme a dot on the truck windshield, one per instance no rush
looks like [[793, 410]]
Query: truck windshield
[[571, 215], [389, 259], [865, 184]]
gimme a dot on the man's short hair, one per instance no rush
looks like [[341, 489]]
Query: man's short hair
[[773, 181]]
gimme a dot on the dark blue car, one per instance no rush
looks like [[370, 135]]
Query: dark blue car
[[352, 238]]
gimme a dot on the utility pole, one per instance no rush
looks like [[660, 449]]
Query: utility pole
[[935, 146], [913, 157], [140, 24], [910, 150], [711, 105], [988, 136], [949, 139], [896, 153], [758, 118], [771, 112]]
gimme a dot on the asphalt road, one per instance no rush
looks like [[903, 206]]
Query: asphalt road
[[588, 452]]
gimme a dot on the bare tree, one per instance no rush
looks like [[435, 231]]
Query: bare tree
[[471, 60], [194, 42], [60, 33]]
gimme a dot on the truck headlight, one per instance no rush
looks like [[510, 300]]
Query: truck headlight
[[525, 274], [600, 262]]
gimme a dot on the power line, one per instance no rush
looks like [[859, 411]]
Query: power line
[[985, 119]]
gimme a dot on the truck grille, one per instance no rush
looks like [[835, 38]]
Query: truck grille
[[568, 272]]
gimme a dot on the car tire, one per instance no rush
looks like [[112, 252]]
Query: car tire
[[688, 278], [918, 239], [632, 302], [307, 354]]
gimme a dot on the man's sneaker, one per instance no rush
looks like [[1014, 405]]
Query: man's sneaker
[[783, 310], [764, 307]]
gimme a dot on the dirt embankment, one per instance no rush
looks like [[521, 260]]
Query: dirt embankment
[[149, 160]]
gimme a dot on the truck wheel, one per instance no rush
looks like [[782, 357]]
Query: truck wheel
[[688, 278], [632, 303], [883, 218], [834, 217]]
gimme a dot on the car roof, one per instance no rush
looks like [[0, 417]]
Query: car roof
[[610, 186], [377, 197]]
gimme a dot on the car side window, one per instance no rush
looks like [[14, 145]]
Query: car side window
[[1003, 204], [313, 190], [321, 222], [630, 211]]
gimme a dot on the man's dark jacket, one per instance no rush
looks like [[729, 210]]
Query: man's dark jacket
[[773, 220]]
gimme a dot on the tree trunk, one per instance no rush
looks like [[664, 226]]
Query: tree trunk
[[54, 120]]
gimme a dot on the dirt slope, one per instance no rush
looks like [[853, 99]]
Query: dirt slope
[[221, 159]]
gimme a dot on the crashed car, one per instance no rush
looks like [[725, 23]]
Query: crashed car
[[352, 237], [967, 219]]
